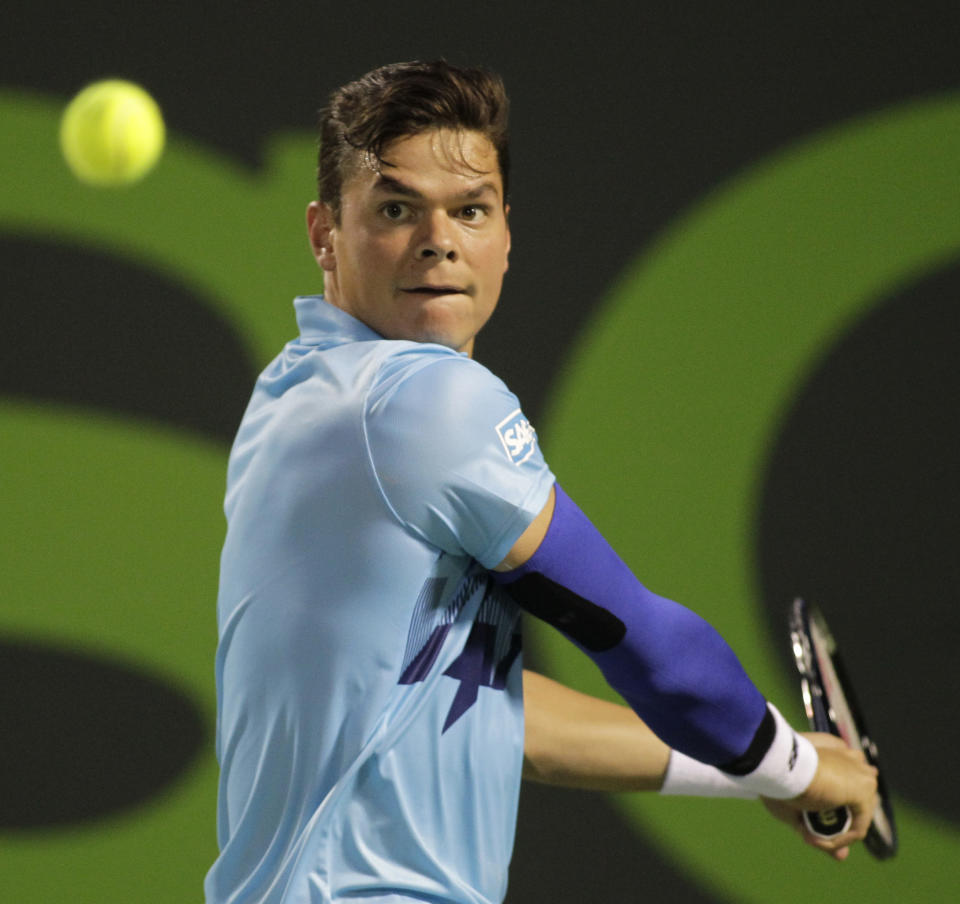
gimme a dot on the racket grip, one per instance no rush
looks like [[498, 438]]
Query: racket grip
[[828, 823]]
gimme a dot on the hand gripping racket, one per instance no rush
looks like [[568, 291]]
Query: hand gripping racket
[[831, 707]]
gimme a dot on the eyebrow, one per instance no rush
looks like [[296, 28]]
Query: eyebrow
[[389, 185]]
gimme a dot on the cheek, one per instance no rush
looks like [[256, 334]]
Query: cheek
[[379, 258], [498, 267], [366, 268], [493, 261]]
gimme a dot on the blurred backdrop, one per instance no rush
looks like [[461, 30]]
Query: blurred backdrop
[[732, 313]]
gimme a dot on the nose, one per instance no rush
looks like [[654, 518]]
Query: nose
[[436, 239]]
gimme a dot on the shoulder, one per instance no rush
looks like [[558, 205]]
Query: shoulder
[[454, 457], [436, 395], [427, 373]]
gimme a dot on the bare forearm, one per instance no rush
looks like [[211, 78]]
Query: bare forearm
[[579, 741]]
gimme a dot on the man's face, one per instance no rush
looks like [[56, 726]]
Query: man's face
[[421, 247]]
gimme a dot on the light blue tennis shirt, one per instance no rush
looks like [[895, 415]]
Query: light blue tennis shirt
[[370, 713]]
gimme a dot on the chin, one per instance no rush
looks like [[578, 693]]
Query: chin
[[441, 331], [454, 342]]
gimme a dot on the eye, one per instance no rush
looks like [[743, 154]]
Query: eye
[[474, 212], [394, 210]]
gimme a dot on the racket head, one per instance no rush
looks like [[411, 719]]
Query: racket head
[[831, 706]]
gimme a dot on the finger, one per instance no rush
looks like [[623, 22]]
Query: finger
[[822, 740], [825, 846], [862, 817], [858, 755], [840, 853], [837, 847]]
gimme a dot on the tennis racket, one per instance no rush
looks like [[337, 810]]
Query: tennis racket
[[831, 707]]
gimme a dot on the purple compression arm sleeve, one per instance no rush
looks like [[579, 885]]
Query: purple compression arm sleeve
[[671, 666]]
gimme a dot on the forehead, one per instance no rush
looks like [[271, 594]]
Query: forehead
[[456, 158]]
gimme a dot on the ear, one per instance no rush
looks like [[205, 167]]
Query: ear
[[506, 216], [320, 230]]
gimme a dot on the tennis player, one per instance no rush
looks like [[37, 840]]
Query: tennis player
[[390, 516]]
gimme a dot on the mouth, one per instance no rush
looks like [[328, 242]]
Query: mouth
[[434, 291]]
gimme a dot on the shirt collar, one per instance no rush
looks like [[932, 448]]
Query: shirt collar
[[322, 323]]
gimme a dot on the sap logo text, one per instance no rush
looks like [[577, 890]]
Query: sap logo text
[[519, 439]]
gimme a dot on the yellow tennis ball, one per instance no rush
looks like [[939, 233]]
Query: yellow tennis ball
[[111, 133]]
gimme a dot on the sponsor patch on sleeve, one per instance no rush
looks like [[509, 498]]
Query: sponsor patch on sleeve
[[517, 436]]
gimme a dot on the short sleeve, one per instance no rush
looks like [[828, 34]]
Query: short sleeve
[[456, 460]]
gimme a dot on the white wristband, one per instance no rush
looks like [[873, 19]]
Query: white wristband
[[692, 778], [787, 768]]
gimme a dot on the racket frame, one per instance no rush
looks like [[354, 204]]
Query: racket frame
[[831, 706]]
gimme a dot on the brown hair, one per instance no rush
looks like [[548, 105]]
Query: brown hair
[[404, 99]]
